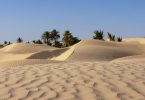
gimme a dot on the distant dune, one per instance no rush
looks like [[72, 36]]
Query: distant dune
[[86, 50], [88, 70], [21, 51], [135, 40], [25, 48]]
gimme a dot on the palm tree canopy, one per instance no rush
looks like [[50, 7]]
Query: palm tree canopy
[[68, 39], [54, 35], [45, 37]]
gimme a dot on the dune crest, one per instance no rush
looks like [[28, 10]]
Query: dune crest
[[64, 56]]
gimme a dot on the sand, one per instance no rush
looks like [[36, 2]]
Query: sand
[[19, 48], [135, 40], [89, 70]]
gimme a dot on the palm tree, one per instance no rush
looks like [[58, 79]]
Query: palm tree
[[54, 36], [119, 39], [19, 40], [46, 37], [68, 39], [98, 35], [5, 42], [111, 37]]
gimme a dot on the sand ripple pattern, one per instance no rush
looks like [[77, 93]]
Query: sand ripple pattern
[[73, 81]]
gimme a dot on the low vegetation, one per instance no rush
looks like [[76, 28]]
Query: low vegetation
[[19, 40], [111, 37], [99, 34], [119, 39]]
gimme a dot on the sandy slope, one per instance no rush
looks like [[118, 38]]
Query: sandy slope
[[48, 54], [20, 51], [137, 58], [92, 50], [135, 40], [86, 50], [89, 70], [25, 48]]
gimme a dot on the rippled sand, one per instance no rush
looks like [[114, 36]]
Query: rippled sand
[[73, 81], [89, 70]]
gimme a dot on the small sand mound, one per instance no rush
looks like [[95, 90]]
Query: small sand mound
[[92, 50], [131, 59], [21, 51], [4, 57], [25, 48], [135, 40]]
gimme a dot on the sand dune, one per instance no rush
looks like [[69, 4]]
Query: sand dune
[[137, 58], [25, 48], [135, 40], [89, 70], [65, 55], [94, 50], [21, 51], [86, 50], [4, 57]]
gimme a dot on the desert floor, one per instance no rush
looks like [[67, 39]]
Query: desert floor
[[77, 73]]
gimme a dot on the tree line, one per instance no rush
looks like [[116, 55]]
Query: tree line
[[52, 38]]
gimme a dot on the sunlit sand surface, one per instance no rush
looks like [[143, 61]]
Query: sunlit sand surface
[[89, 70]]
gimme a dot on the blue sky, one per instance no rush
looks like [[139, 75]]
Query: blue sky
[[30, 18]]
